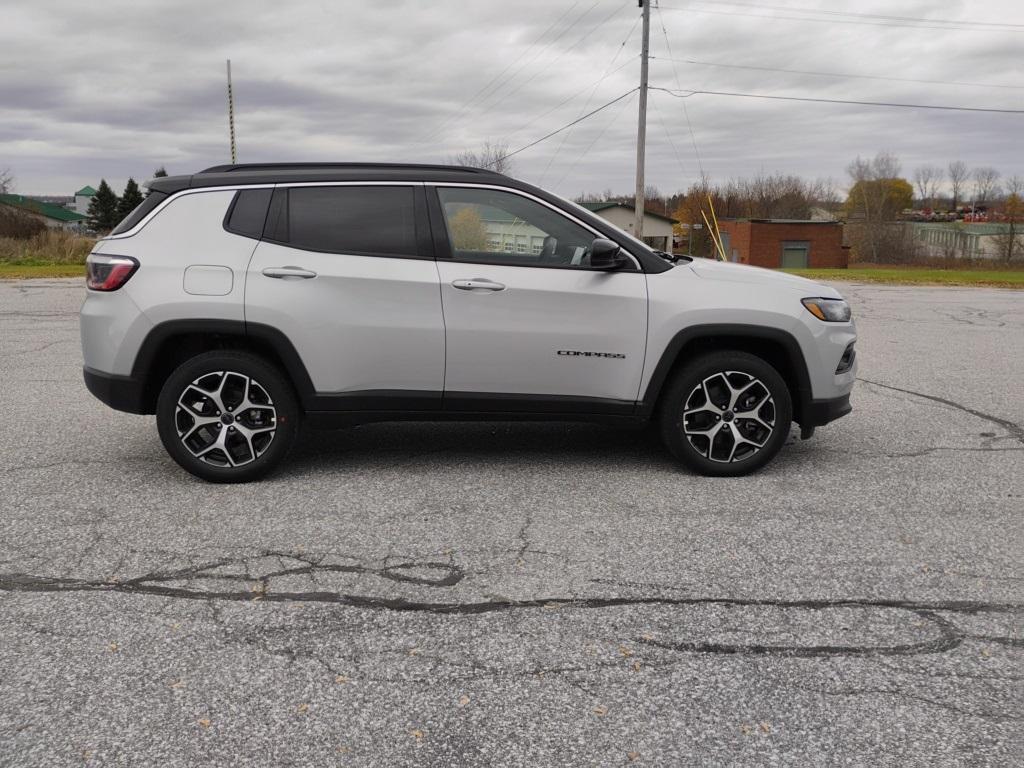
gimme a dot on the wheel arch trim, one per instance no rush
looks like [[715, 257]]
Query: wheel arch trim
[[673, 353], [147, 362]]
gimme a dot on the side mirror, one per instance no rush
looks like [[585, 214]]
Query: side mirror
[[606, 254]]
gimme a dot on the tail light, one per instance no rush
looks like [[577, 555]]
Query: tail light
[[108, 273]]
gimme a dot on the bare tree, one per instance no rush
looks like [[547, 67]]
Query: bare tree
[[654, 200], [824, 193], [886, 166], [986, 184], [1011, 240], [493, 156], [6, 181], [927, 179], [957, 178], [873, 203]]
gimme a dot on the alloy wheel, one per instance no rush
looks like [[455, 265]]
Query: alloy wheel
[[225, 419], [729, 416]]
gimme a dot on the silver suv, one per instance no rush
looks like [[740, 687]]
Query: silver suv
[[241, 301]]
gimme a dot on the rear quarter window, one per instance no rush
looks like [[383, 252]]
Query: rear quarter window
[[152, 200], [248, 212]]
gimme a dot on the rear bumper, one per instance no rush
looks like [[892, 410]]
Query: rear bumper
[[122, 393], [817, 413]]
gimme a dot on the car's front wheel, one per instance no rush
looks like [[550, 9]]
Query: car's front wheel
[[227, 417], [726, 413]]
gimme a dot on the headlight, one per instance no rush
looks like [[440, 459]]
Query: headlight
[[829, 310]]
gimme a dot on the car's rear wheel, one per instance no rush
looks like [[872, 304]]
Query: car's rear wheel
[[726, 413], [227, 417]]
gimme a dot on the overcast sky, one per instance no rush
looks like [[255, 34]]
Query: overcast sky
[[112, 89]]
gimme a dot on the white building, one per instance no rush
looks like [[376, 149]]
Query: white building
[[657, 228], [972, 240], [82, 199]]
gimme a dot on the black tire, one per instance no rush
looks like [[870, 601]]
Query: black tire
[[269, 427], [706, 384]]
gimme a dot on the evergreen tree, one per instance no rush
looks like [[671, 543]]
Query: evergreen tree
[[103, 208], [161, 171], [131, 197]]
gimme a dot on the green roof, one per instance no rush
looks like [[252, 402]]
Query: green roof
[[85, 191], [602, 205], [48, 210]]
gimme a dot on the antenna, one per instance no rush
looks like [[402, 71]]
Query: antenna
[[231, 116]]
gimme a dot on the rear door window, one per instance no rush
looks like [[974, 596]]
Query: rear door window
[[363, 221]]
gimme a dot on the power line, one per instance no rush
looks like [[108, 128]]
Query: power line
[[593, 91], [574, 95], [687, 94], [575, 45], [835, 74], [733, 14], [586, 150], [822, 11], [555, 132], [686, 112], [668, 135], [494, 80]]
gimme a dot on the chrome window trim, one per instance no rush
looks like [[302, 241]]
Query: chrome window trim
[[180, 193], [236, 187], [390, 183]]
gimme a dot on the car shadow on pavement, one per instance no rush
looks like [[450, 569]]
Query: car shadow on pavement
[[570, 445]]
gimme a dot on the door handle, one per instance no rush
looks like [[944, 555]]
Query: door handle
[[286, 272], [478, 284]]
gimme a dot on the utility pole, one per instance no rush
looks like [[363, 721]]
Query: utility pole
[[641, 130], [231, 116]]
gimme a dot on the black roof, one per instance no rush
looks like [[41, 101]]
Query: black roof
[[274, 173], [284, 173]]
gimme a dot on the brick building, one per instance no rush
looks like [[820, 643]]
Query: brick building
[[784, 243]]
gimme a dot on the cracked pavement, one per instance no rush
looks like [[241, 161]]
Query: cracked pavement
[[524, 594]]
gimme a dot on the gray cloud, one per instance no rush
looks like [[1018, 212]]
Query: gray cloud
[[118, 88]]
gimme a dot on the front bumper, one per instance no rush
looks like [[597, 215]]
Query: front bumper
[[818, 413], [122, 393]]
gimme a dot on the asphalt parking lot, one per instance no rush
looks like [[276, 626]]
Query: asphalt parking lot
[[517, 594]]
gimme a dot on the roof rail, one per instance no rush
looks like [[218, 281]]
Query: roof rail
[[229, 168]]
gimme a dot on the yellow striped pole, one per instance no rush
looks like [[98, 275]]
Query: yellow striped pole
[[231, 116]]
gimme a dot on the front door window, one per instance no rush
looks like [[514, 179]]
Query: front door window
[[487, 226]]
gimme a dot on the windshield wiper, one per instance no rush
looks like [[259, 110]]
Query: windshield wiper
[[668, 256]]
